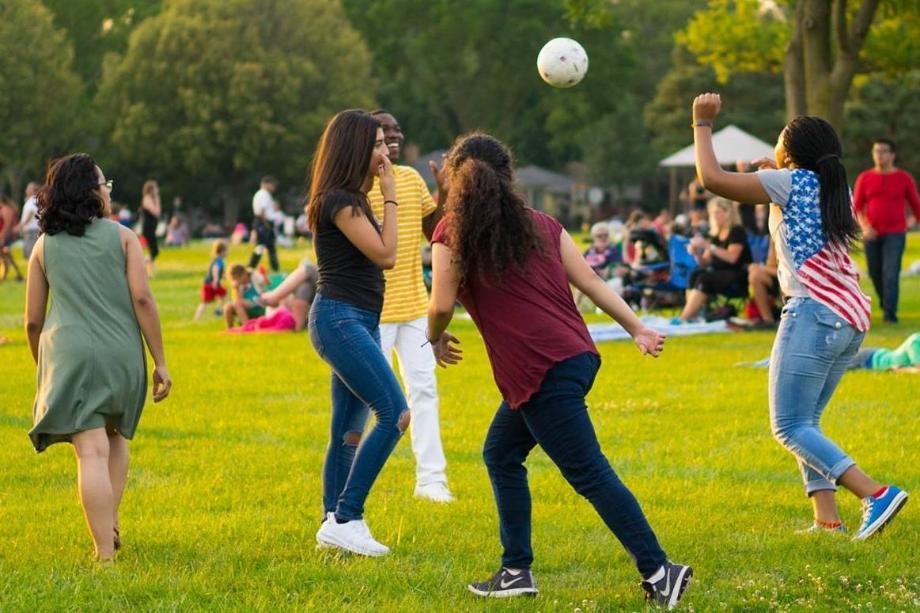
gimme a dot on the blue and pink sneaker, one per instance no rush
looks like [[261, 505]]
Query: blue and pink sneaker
[[878, 511]]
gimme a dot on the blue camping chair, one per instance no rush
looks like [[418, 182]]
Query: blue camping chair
[[668, 291]]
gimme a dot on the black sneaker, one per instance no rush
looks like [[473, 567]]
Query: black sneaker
[[506, 583], [666, 592]]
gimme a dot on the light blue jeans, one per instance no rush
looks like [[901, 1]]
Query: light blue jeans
[[811, 352]]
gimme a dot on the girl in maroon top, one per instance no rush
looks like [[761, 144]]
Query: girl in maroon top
[[511, 267]]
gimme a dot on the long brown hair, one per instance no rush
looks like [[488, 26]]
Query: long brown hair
[[342, 158], [488, 222]]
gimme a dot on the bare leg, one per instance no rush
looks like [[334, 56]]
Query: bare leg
[[92, 449], [858, 482], [200, 310], [229, 314], [12, 263], [825, 506], [695, 301], [118, 469]]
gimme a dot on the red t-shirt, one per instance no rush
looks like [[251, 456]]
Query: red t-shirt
[[529, 322], [881, 198]]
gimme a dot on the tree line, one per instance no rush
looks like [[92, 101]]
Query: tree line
[[208, 95]]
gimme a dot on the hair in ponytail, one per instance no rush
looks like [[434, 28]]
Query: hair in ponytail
[[812, 144], [488, 221]]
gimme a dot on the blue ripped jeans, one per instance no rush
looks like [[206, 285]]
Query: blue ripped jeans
[[348, 339], [813, 348]]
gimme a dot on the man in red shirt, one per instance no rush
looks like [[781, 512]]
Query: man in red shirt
[[879, 200]]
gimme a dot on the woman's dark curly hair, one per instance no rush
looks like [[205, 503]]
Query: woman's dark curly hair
[[70, 198], [488, 222]]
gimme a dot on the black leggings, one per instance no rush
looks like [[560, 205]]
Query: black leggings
[[712, 281], [149, 231]]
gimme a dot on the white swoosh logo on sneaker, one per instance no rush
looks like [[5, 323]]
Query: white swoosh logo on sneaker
[[502, 584], [667, 588]]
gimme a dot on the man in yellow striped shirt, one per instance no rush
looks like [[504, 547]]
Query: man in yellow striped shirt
[[404, 317]]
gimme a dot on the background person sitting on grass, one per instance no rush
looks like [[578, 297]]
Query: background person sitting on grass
[[244, 297], [295, 293]]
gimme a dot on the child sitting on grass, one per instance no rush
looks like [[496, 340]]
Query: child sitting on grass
[[212, 288], [244, 297]]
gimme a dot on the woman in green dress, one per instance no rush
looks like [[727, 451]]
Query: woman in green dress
[[87, 346]]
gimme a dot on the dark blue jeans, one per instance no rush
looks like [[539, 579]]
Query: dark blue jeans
[[883, 257], [556, 418], [348, 339]]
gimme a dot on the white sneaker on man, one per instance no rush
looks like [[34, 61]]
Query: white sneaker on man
[[353, 536], [435, 492]]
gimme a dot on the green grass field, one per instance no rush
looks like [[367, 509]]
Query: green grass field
[[223, 496]]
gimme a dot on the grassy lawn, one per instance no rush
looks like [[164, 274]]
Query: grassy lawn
[[223, 496]]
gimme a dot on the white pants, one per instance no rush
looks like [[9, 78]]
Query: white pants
[[416, 367]]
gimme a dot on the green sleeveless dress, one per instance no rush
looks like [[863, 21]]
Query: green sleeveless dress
[[92, 368]]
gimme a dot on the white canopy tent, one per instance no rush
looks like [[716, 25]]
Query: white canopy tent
[[731, 144]]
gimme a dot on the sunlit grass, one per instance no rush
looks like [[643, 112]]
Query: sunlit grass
[[224, 490]]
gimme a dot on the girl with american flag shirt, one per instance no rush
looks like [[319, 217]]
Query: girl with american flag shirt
[[826, 315]]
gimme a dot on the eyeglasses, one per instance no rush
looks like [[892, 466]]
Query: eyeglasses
[[108, 184]]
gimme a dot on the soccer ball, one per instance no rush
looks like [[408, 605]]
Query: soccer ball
[[562, 62]]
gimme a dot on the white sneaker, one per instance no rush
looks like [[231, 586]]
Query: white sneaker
[[353, 536], [435, 492]]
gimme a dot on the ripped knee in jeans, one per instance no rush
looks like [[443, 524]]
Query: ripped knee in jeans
[[403, 422], [352, 438]]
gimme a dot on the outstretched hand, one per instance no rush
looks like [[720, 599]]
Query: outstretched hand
[[650, 342], [440, 177], [706, 107], [445, 350]]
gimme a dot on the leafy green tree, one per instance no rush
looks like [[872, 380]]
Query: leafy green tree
[[753, 102], [98, 27], [211, 94], [37, 90], [818, 45], [448, 67], [883, 107]]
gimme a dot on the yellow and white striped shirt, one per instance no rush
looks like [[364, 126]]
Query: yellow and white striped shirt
[[405, 297]]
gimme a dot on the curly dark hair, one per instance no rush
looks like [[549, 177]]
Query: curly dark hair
[[70, 198], [488, 222]]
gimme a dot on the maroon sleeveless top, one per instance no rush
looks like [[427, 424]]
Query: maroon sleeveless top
[[529, 321]]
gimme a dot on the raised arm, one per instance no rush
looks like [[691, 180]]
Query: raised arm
[[740, 186], [585, 280], [145, 309], [380, 248], [36, 297]]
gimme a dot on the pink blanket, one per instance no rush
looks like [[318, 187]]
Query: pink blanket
[[280, 321]]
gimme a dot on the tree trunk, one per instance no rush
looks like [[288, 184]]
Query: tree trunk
[[230, 195], [14, 180], [794, 73], [817, 80], [816, 47]]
